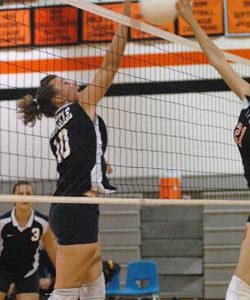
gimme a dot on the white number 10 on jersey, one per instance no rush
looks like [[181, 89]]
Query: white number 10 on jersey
[[62, 145]]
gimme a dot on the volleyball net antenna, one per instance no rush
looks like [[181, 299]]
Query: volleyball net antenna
[[168, 113]]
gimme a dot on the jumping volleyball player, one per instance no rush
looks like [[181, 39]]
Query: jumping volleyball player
[[78, 142], [239, 287]]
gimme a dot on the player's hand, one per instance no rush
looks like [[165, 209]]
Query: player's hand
[[109, 169], [45, 283], [185, 9]]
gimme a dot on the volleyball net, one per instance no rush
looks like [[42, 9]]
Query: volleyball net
[[168, 113]]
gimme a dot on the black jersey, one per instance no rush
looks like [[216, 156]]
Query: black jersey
[[79, 146], [19, 246], [242, 137]]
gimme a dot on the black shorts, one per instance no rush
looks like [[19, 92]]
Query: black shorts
[[74, 224], [22, 286]]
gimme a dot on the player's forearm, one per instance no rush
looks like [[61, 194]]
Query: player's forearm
[[117, 47], [51, 251], [213, 53], [52, 255]]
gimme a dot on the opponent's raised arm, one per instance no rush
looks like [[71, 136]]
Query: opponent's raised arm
[[215, 56], [93, 93]]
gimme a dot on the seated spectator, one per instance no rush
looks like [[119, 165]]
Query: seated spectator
[[110, 268]]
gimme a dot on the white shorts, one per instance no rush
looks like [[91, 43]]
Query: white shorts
[[238, 289]]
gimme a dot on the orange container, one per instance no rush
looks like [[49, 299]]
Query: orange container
[[170, 188]]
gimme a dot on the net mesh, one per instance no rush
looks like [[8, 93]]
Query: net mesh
[[167, 112]]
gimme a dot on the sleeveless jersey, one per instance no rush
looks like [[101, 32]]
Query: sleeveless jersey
[[19, 246], [79, 146], [242, 137]]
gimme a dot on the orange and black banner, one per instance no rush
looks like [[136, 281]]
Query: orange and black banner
[[237, 17], [64, 25], [15, 29], [209, 15], [98, 29], [55, 26]]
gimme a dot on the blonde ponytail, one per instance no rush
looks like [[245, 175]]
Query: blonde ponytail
[[31, 110], [28, 109]]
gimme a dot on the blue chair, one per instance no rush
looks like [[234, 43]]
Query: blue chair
[[113, 287], [142, 280]]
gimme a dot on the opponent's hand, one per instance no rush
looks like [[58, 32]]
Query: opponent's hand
[[185, 9]]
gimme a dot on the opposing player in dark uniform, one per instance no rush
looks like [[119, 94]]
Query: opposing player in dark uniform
[[21, 231], [239, 287], [78, 143]]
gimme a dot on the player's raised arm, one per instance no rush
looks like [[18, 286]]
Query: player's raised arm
[[98, 87], [215, 56]]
